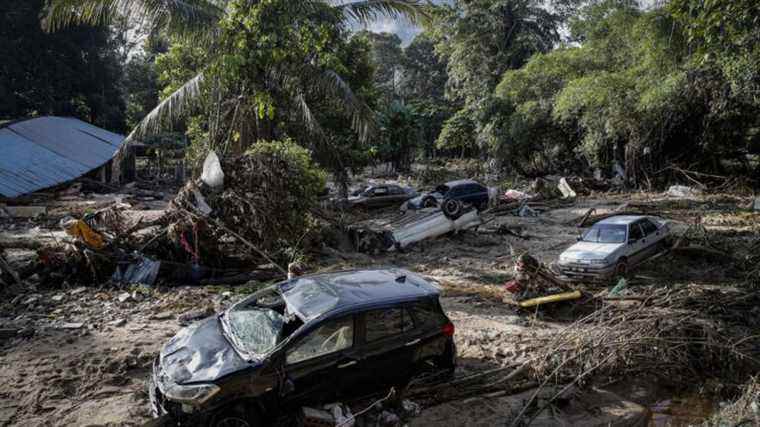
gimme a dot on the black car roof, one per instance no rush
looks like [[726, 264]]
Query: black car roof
[[310, 297], [461, 182]]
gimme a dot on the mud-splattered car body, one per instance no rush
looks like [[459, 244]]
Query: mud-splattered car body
[[310, 340], [612, 246]]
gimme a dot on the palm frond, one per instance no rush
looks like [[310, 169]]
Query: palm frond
[[181, 17], [363, 120], [312, 124], [170, 109], [368, 10]]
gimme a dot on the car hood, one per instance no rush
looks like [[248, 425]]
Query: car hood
[[587, 251], [200, 353]]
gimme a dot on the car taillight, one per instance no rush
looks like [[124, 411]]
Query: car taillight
[[448, 329]]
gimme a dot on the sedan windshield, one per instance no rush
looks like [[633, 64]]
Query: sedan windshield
[[606, 233], [257, 325]]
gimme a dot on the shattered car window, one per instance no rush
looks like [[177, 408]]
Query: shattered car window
[[331, 337], [256, 328], [256, 325], [606, 233]]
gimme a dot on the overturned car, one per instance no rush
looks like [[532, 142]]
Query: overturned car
[[309, 340]]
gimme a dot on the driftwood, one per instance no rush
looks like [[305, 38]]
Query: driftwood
[[242, 278]]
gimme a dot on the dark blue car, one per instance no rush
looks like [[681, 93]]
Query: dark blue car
[[311, 340], [464, 191]]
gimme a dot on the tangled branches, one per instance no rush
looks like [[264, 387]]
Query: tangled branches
[[745, 411], [267, 197], [677, 335]]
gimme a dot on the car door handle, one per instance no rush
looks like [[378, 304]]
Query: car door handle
[[347, 364], [415, 342]]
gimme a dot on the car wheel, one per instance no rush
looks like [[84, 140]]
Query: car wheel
[[236, 417], [452, 208], [429, 202], [621, 269]]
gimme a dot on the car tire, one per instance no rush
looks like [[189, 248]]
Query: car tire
[[236, 416], [429, 202], [453, 209], [621, 269]]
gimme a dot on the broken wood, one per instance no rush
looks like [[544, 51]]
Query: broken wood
[[585, 217], [242, 239]]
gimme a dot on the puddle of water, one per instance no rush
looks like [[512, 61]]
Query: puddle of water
[[682, 411]]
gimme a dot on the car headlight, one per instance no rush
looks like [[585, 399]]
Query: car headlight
[[598, 262], [192, 394]]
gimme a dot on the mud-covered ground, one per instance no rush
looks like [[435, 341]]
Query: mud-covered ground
[[83, 355]]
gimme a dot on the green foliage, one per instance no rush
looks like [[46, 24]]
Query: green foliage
[[76, 72], [480, 40], [295, 181], [387, 58], [141, 81], [400, 135], [725, 34], [307, 179], [630, 93], [457, 133], [424, 73]]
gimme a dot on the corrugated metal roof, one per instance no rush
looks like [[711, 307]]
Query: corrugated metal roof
[[47, 151]]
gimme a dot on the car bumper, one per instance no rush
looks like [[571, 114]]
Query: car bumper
[[586, 271], [157, 399]]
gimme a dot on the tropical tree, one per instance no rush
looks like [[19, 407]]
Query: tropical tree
[[400, 135], [387, 58], [263, 60], [480, 40], [76, 72]]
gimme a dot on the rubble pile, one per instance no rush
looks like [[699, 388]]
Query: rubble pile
[[667, 333], [226, 231], [266, 198], [745, 410]]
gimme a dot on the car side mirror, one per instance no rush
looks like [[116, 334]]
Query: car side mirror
[[632, 241], [578, 238]]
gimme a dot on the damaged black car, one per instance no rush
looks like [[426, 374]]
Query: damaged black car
[[310, 340]]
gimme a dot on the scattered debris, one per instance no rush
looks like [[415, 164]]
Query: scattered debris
[[566, 190], [81, 230], [213, 175], [534, 285], [193, 315], [72, 325], [117, 323], [23, 211], [124, 297], [515, 195], [142, 272], [683, 192]]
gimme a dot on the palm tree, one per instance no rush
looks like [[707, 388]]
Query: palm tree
[[199, 20]]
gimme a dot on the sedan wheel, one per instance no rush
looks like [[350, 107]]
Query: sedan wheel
[[621, 269]]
